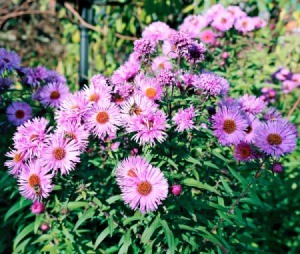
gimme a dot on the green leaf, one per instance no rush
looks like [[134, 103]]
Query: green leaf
[[76, 205], [169, 235], [25, 231], [37, 222], [211, 165], [113, 199], [126, 243], [194, 161], [16, 207], [89, 213], [194, 183], [101, 237], [237, 176], [148, 232]]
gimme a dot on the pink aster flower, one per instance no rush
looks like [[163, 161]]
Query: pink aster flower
[[72, 109], [60, 154], [282, 74], [253, 124], [193, 24], [53, 94], [276, 138], [252, 104], [208, 37], [145, 188], [288, 86], [76, 132], [149, 127], [244, 25], [99, 80], [229, 125], [157, 31], [103, 119], [243, 152], [259, 22], [296, 78], [161, 63], [236, 12], [184, 119], [18, 113], [213, 11], [150, 88], [34, 182], [272, 114], [136, 105], [30, 137], [223, 21], [16, 162], [100, 93], [169, 50]]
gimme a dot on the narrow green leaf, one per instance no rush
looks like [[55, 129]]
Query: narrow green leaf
[[76, 205], [211, 165], [169, 235], [16, 207], [113, 199], [25, 231], [237, 176], [86, 215], [194, 183], [101, 237], [126, 243], [148, 232]]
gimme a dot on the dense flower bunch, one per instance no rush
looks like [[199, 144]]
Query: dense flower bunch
[[161, 93], [217, 20], [288, 80]]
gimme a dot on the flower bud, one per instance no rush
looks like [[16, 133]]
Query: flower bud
[[37, 207], [225, 55], [44, 227], [277, 168], [176, 189]]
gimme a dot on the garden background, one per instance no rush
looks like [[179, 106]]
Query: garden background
[[266, 217]]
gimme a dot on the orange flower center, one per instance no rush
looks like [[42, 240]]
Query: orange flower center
[[223, 20], [102, 117], [17, 157], [274, 139], [34, 180], [54, 95], [229, 126], [94, 97], [244, 24], [131, 173], [161, 66], [151, 92], [19, 114], [144, 188], [59, 153]]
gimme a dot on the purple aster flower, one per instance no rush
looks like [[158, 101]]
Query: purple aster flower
[[150, 88], [253, 124], [188, 79], [34, 76], [211, 84], [30, 137], [165, 78], [276, 138], [99, 80], [180, 42], [9, 60], [149, 127], [272, 114], [229, 125], [5, 83], [195, 52], [243, 152], [122, 92], [251, 104], [97, 94], [282, 74], [18, 113], [34, 182], [268, 95], [143, 48], [16, 162], [53, 94], [184, 119], [54, 77], [103, 119], [157, 31], [60, 153], [277, 168]]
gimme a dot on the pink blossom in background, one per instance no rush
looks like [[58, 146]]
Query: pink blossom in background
[[223, 21], [169, 50], [252, 104], [236, 12], [244, 24], [208, 37], [296, 78], [288, 86], [157, 31], [283, 74], [213, 11], [193, 25]]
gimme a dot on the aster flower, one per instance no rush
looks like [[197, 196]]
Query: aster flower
[[253, 124], [211, 83], [244, 24], [9, 60], [34, 76], [188, 79], [208, 37], [99, 80], [213, 11], [157, 31], [296, 78], [236, 12], [55, 77], [252, 104], [268, 95], [53, 94], [161, 63], [180, 41], [259, 22], [184, 119], [5, 83], [34, 182], [272, 114], [229, 125], [76, 132], [169, 50], [143, 48], [103, 119], [150, 88], [195, 52], [16, 162], [243, 152], [165, 78], [146, 187], [18, 113], [60, 153], [122, 92], [282, 74], [30, 137], [276, 138], [288, 86], [149, 127], [99, 94], [223, 21], [193, 24]]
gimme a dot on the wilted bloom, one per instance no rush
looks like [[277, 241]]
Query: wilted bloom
[[208, 37], [195, 52], [211, 83], [276, 138], [184, 119], [149, 127], [9, 60], [277, 168], [60, 154], [229, 125], [143, 186], [5, 83], [157, 31], [143, 48], [16, 162], [53, 94], [251, 104], [18, 113], [223, 21], [180, 41], [165, 78], [243, 152], [37, 207], [244, 24], [34, 182], [34, 76], [193, 24], [161, 63], [176, 189]]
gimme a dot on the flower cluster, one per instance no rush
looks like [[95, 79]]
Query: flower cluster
[[288, 80]]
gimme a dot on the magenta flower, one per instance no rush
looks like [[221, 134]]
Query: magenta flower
[[251, 104], [208, 37], [150, 88], [176, 189], [223, 21], [229, 125], [144, 48], [244, 24], [16, 163], [288, 86], [161, 63], [193, 24], [53, 94], [18, 113], [184, 119], [157, 31], [103, 119], [60, 154], [34, 182], [243, 152], [143, 187], [277, 168], [276, 138], [37, 207], [97, 94]]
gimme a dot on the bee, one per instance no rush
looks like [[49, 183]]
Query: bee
[[134, 110], [38, 190]]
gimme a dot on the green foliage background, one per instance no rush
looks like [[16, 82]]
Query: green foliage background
[[84, 209]]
